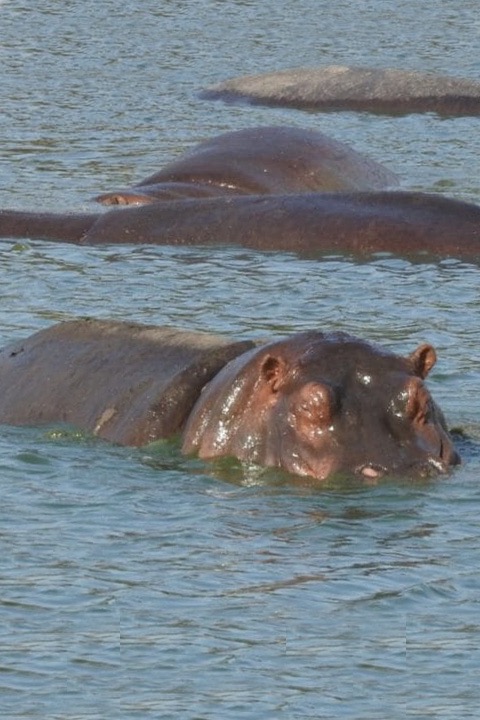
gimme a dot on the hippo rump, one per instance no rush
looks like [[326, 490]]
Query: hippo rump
[[259, 160], [338, 87], [314, 404]]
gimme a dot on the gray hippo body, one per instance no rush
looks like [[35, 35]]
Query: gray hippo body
[[313, 404], [336, 88], [407, 224]]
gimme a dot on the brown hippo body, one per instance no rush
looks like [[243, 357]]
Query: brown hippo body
[[309, 224], [127, 383], [313, 404], [337, 87], [253, 188], [257, 161], [407, 224]]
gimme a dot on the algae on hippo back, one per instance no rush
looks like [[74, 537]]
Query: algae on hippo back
[[300, 404]]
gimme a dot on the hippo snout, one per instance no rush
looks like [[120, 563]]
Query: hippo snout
[[428, 467], [432, 466]]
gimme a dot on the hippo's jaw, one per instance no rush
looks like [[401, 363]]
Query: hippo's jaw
[[324, 468], [433, 464], [416, 449]]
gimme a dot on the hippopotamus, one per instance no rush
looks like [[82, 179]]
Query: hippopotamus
[[257, 161], [338, 87], [409, 224], [314, 404]]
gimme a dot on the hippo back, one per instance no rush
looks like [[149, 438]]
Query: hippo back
[[124, 382], [259, 160]]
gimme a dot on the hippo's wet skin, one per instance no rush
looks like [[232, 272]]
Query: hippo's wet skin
[[313, 404], [337, 87], [310, 224], [253, 188], [257, 161]]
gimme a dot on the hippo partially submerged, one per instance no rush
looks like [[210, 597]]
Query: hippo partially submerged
[[313, 404], [269, 188], [258, 161], [339, 87], [407, 224]]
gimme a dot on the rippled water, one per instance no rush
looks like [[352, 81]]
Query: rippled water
[[135, 583]]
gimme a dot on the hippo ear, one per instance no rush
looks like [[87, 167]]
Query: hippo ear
[[124, 197], [423, 359], [273, 371]]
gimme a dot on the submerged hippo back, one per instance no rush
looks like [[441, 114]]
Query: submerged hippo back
[[260, 160], [337, 87], [277, 159], [317, 404], [128, 383]]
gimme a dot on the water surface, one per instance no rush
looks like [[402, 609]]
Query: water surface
[[138, 584]]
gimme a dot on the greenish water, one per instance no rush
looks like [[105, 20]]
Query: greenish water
[[135, 583]]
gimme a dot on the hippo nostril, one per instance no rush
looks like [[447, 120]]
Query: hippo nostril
[[455, 458], [372, 471], [449, 456]]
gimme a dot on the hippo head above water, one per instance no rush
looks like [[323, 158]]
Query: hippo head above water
[[314, 404], [318, 404]]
